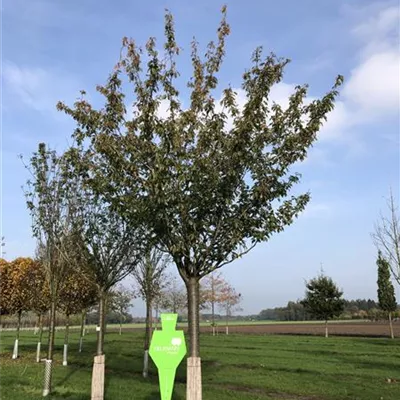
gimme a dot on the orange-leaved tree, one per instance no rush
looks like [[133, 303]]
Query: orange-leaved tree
[[20, 294], [5, 291]]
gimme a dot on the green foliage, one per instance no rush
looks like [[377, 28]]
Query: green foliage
[[206, 192], [50, 201], [78, 293], [207, 182], [323, 298], [120, 300], [386, 295]]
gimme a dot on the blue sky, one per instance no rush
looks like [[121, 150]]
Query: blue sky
[[52, 49]]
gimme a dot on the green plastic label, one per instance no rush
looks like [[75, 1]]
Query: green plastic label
[[167, 349]]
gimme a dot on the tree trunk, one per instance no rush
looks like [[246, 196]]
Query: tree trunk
[[193, 386], [147, 338], [16, 343], [156, 322], [120, 324], [37, 323], [101, 326], [39, 345], [326, 328], [82, 330], [391, 325], [193, 316], [226, 326], [49, 360], [65, 354]]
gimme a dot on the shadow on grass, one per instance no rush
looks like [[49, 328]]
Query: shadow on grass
[[156, 396]]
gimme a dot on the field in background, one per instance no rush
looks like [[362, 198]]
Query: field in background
[[235, 367]]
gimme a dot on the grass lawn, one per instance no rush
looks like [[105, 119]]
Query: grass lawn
[[235, 367]]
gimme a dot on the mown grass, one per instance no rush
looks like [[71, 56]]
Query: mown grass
[[235, 367]]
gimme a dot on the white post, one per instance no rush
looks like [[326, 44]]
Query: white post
[[38, 352], [65, 355], [15, 351]]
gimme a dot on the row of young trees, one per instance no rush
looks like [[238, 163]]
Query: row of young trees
[[203, 184], [24, 287]]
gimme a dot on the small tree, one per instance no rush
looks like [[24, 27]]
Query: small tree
[[386, 296], [229, 302], [150, 276], [77, 293], [39, 299], [211, 293], [20, 297], [173, 296], [323, 299], [120, 300], [387, 237]]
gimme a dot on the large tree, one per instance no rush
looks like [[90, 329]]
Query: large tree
[[386, 296], [211, 180], [150, 276], [387, 236], [323, 299], [111, 247]]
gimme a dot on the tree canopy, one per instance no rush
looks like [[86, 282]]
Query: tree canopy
[[210, 181]]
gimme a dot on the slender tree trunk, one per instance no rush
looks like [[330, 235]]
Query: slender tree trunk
[[39, 345], [193, 386], [326, 328], [49, 360], [226, 326], [156, 322], [147, 338], [120, 324], [37, 323], [16, 343], [82, 330], [65, 354], [101, 326], [391, 325]]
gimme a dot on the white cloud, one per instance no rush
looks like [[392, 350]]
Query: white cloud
[[374, 85], [317, 211], [37, 88]]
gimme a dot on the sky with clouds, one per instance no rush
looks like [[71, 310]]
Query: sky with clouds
[[53, 49]]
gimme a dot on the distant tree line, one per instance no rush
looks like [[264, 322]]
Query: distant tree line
[[353, 309]]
